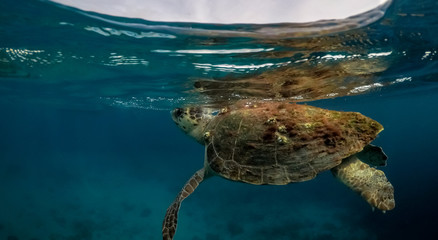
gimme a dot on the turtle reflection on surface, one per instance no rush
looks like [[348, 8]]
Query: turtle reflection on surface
[[306, 69]]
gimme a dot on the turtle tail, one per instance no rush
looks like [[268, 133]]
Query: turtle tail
[[171, 218]]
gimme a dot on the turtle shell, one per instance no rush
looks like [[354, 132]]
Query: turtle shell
[[278, 143]]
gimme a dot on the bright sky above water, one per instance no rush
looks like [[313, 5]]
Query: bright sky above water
[[228, 11]]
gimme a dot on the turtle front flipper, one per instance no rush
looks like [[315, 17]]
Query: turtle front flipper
[[369, 182], [171, 218]]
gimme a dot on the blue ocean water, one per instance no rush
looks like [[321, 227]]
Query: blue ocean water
[[88, 149]]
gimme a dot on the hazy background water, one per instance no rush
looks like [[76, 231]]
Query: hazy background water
[[88, 149]]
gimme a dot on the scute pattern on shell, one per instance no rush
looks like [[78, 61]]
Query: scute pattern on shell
[[278, 143]]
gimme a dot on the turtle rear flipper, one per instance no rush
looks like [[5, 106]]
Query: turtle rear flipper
[[369, 182], [373, 156], [171, 218]]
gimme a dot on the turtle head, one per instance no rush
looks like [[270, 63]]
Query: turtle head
[[193, 121]]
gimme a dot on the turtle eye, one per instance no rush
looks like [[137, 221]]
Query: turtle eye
[[177, 112]]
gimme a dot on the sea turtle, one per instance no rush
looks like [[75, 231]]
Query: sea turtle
[[270, 142]]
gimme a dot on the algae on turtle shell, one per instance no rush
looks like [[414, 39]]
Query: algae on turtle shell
[[276, 143]]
